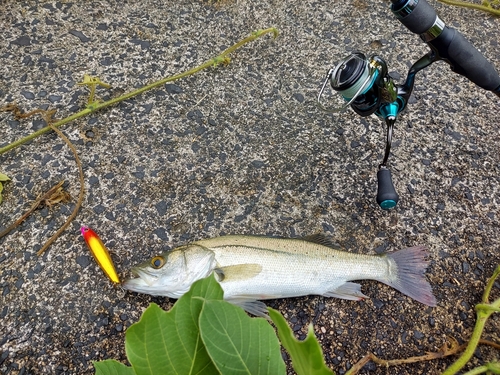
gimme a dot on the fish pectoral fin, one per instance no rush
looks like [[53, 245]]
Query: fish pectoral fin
[[238, 272], [254, 307], [347, 290]]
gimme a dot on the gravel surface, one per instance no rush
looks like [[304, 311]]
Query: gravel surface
[[238, 149]]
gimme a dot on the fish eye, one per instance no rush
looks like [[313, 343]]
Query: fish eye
[[157, 262]]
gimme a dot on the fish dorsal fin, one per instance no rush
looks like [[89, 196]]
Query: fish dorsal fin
[[238, 272], [321, 239]]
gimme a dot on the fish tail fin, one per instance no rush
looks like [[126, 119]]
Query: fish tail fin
[[409, 276]]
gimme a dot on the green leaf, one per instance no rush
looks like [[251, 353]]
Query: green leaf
[[169, 342], [307, 356], [112, 367], [237, 343]]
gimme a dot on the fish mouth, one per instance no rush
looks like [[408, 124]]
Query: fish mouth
[[140, 280], [135, 272]]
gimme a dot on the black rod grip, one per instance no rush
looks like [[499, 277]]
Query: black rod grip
[[451, 46], [417, 16], [465, 59], [387, 197]]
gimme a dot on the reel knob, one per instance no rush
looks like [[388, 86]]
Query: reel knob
[[387, 198]]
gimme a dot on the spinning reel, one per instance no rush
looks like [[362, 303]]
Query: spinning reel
[[365, 85]]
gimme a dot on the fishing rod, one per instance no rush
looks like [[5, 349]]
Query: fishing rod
[[365, 85]]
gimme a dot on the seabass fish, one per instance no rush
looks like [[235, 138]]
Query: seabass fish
[[252, 268]]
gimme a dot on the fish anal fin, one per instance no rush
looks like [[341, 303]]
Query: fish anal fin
[[254, 307], [238, 272], [321, 239], [348, 290]]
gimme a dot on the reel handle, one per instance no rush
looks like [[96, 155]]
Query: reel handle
[[387, 198], [447, 43]]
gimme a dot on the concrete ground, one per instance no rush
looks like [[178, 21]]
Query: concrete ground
[[239, 149]]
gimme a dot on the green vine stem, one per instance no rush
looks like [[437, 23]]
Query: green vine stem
[[489, 285], [492, 367], [483, 312], [485, 7], [95, 106]]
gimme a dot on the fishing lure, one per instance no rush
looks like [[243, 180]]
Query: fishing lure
[[100, 253]]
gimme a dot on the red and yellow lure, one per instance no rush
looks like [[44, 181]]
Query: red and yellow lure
[[100, 253]]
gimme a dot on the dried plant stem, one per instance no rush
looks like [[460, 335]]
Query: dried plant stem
[[80, 195], [446, 350], [33, 207]]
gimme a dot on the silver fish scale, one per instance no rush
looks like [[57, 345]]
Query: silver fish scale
[[290, 267]]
